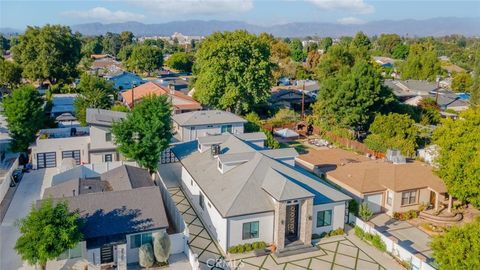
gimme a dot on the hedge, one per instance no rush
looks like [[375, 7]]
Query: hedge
[[374, 239], [247, 247]]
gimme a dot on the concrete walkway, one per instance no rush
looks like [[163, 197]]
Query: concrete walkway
[[409, 237], [28, 192]]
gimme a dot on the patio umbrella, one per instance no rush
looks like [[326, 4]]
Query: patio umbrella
[[286, 133]]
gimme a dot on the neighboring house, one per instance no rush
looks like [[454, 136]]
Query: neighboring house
[[101, 56], [246, 193], [178, 83], [180, 102], [384, 61], [121, 209], [290, 98], [62, 103], [411, 92], [308, 86], [191, 125], [124, 80], [92, 144], [385, 186], [105, 67]]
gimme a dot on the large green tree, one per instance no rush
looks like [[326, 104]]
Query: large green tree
[[233, 71], [111, 43], [24, 112], [146, 131], [91, 45], [459, 155], [10, 74], [422, 63], [51, 52], [475, 89], [462, 82], [145, 59], [393, 131], [94, 92], [296, 50], [48, 231], [387, 43], [181, 61], [458, 248], [352, 97]]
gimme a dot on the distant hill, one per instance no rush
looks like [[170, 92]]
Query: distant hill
[[429, 27], [9, 31]]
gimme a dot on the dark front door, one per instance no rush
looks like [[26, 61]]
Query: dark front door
[[432, 199], [106, 254], [291, 223], [46, 160]]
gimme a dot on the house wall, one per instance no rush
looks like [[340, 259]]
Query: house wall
[[189, 134], [216, 224], [132, 253], [98, 138], [100, 156], [58, 145], [265, 233], [423, 196], [338, 216]]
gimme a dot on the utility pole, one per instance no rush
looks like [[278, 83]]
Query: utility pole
[[133, 95], [436, 91], [303, 100]]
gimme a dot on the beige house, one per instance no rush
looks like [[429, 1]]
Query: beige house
[[91, 144], [383, 185]]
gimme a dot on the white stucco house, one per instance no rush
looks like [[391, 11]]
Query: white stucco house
[[91, 144], [121, 210], [192, 125], [246, 193]]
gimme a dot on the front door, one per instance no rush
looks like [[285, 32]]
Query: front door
[[106, 254], [291, 223], [432, 199]]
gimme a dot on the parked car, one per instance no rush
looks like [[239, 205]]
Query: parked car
[[16, 176]]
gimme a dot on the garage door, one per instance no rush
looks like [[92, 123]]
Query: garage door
[[374, 202], [46, 160], [75, 154]]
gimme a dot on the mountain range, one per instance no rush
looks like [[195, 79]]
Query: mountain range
[[410, 27]]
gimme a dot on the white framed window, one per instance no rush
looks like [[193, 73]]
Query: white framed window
[[108, 158], [250, 230], [324, 218], [138, 240], [409, 197]]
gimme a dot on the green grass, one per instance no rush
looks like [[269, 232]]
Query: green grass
[[301, 149]]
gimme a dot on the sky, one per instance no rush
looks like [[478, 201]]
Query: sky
[[18, 14]]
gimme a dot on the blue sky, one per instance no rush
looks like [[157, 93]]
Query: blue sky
[[19, 13]]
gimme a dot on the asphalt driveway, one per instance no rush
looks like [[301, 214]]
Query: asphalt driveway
[[29, 190]]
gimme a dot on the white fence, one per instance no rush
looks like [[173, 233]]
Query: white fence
[[180, 225], [5, 179], [394, 248]]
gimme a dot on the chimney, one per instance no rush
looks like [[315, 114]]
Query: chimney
[[171, 86]]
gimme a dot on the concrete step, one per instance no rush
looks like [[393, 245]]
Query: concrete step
[[295, 249]]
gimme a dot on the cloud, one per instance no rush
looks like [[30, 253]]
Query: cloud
[[350, 20], [104, 15], [354, 6], [174, 8]]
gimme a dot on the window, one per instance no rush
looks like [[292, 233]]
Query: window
[[108, 136], [389, 198], [324, 218], [75, 252], [108, 158], [139, 239], [409, 197], [201, 201], [226, 128], [250, 230]]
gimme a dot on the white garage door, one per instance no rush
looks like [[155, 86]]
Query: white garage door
[[374, 202]]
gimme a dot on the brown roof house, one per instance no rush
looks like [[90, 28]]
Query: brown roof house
[[120, 208], [392, 185]]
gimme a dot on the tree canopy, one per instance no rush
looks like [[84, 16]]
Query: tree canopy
[[459, 155], [233, 71], [51, 52], [145, 59], [48, 231], [462, 82], [180, 61], [296, 50], [24, 113], [387, 43], [393, 131], [352, 95], [422, 63], [458, 248], [10, 74], [94, 92], [146, 131]]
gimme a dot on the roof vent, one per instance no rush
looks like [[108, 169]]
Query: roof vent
[[394, 156], [215, 150]]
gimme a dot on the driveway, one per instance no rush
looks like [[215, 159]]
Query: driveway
[[409, 237], [29, 190]]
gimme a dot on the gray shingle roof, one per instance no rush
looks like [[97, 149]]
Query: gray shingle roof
[[253, 136], [76, 187], [119, 212], [281, 188], [281, 153], [239, 191], [103, 117], [210, 117], [127, 177]]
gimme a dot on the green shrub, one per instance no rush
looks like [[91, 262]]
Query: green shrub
[[368, 236], [323, 234], [262, 245], [233, 249], [338, 231], [241, 249], [359, 232], [365, 212], [353, 207], [248, 247], [378, 242]]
